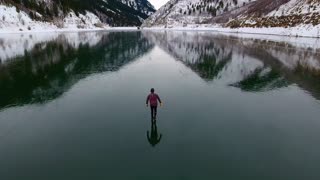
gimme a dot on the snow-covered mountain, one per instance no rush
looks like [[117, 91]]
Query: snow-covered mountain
[[236, 13], [282, 13], [28, 14], [142, 6], [183, 12]]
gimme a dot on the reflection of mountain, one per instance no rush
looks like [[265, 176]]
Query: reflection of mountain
[[209, 66], [300, 66], [196, 52], [262, 80], [249, 64], [51, 68], [212, 58], [14, 45]]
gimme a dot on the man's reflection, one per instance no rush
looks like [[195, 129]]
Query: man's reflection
[[153, 138]]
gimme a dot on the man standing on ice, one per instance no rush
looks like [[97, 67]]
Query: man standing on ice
[[153, 99]]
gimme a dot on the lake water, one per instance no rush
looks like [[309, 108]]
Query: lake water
[[72, 106]]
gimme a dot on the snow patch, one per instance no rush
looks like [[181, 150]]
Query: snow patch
[[302, 30], [12, 21]]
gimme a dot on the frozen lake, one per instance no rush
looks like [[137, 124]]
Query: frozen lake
[[72, 106]]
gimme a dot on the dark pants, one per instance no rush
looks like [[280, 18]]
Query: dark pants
[[153, 112]]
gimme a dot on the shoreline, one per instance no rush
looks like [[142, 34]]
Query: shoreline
[[299, 31], [293, 32], [66, 30]]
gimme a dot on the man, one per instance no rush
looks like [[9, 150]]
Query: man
[[153, 99]]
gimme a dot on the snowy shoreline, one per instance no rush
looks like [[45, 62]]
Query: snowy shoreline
[[303, 31], [65, 30], [299, 31]]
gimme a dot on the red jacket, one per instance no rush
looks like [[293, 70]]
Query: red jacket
[[153, 99]]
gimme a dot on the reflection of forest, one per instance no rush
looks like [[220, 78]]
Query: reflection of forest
[[249, 64], [51, 68]]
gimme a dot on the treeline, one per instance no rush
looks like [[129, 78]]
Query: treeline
[[213, 7]]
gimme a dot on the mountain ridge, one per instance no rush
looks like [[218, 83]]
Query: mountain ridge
[[236, 13]]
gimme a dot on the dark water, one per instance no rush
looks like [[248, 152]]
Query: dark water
[[72, 106]]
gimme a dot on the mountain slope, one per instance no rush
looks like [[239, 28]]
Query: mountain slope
[[183, 12], [283, 13], [237, 13], [111, 12]]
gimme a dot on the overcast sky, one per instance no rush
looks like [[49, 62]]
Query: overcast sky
[[158, 3]]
